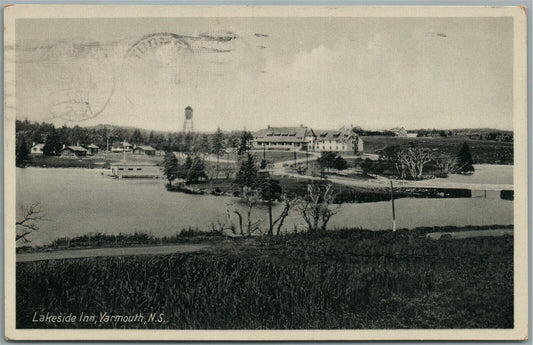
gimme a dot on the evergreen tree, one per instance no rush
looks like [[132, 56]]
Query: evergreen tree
[[137, 138], [171, 167], [151, 139], [22, 150], [464, 160], [217, 145], [183, 171], [52, 145], [245, 143], [247, 174], [196, 170], [204, 146]]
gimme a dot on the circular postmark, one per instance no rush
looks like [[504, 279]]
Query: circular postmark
[[150, 65], [153, 42]]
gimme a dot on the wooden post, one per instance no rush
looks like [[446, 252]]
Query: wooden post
[[392, 203]]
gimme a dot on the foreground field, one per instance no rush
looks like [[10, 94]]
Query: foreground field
[[341, 279], [483, 151]]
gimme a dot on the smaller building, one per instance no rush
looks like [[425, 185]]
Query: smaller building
[[73, 151], [399, 132], [37, 149], [144, 150], [92, 149], [121, 146], [135, 170]]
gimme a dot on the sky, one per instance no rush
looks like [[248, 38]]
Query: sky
[[236, 73]]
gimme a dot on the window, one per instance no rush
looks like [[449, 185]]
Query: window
[[120, 169], [130, 169], [138, 169]]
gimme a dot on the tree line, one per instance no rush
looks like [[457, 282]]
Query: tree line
[[53, 138]]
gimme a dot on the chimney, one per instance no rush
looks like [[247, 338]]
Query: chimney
[[78, 143], [64, 146], [268, 126]]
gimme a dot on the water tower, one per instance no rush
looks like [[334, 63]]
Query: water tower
[[187, 124]]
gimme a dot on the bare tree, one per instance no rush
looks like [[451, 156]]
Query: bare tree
[[415, 158], [246, 224], [316, 207], [288, 204], [29, 216], [446, 165]]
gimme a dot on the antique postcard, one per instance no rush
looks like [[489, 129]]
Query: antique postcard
[[265, 173]]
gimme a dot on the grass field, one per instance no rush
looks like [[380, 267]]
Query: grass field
[[342, 279], [483, 151]]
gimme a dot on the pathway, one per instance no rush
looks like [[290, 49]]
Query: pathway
[[97, 252]]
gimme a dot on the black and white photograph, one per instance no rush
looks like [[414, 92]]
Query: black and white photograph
[[265, 173]]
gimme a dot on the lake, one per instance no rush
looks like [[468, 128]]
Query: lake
[[81, 201]]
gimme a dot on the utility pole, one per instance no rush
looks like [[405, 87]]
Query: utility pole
[[307, 156], [392, 203], [124, 149]]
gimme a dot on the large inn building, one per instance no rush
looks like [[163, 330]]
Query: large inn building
[[302, 138]]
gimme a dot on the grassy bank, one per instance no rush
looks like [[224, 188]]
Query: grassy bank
[[341, 279], [483, 151]]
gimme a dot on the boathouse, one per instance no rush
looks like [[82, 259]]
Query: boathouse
[[136, 170]]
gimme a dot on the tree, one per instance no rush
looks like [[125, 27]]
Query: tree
[[270, 190], [52, 145], [464, 160], [391, 154], [263, 164], [250, 199], [28, 218], [217, 146], [22, 150], [204, 146], [340, 163], [446, 165], [247, 174], [196, 170], [414, 159], [137, 137], [316, 206], [170, 167], [326, 159], [183, 170], [245, 143]]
